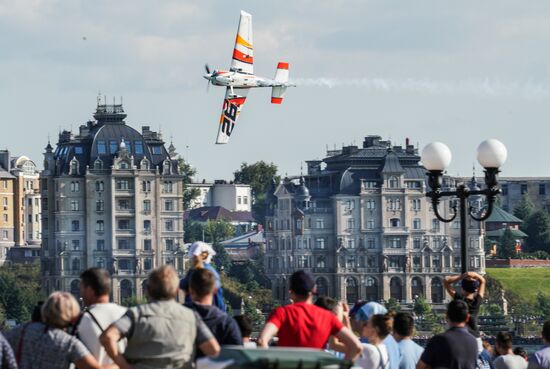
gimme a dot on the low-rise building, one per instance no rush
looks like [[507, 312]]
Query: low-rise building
[[231, 196]]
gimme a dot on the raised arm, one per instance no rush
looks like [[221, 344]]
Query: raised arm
[[270, 330], [351, 343], [449, 281], [109, 339], [482, 282]]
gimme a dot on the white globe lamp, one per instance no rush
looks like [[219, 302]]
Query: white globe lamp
[[491, 153], [436, 156]]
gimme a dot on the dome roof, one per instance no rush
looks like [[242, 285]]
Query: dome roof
[[104, 138], [302, 191]]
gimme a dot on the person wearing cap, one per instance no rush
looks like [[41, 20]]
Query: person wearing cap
[[201, 254], [302, 324], [361, 315], [471, 292]]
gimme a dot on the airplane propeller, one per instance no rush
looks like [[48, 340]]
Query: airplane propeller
[[207, 69]]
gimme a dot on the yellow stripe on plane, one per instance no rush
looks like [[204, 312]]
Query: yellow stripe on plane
[[242, 41]]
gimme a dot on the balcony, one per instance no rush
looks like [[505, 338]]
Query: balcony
[[395, 230]]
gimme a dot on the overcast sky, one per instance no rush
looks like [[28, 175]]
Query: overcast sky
[[456, 72]]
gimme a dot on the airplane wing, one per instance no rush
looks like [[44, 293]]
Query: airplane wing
[[243, 58], [232, 105]]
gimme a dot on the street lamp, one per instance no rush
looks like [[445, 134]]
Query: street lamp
[[436, 157]]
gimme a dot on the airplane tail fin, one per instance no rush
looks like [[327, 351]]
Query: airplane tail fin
[[281, 76]]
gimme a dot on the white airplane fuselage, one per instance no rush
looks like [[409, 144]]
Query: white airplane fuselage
[[236, 79]]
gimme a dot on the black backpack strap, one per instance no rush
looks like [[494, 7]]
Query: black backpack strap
[[95, 320]]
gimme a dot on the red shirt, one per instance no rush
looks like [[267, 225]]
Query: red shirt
[[304, 325]]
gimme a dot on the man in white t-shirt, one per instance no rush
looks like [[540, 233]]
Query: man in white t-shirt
[[95, 286]]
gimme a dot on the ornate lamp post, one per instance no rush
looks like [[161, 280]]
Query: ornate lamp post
[[436, 157]]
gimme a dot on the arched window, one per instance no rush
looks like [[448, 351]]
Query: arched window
[[145, 165], [437, 290], [125, 290], [396, 290], [124, 165], [75, 288], [98, 164], [372, 289], [322, 286], [167, 167], [352, 290], [395, 222], [73, 167], [394, 182], [417, 289]]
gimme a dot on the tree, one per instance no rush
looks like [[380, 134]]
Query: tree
[[506, 245], [393, 305], [216, 231], [189, 194], [421, 306], [524, 208], [19, 291], [542, 306], [537, 227], [259, 176]]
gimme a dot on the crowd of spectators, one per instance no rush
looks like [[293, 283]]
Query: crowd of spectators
[[164, 333]]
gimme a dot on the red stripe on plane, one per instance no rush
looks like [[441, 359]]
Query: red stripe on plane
[[282, 65], [240, 56], [276, 100], [238, 101]]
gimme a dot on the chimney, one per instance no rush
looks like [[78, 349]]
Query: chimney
[[407, 141], [5, 160]]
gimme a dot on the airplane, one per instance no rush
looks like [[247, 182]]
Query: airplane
[[240, 78]]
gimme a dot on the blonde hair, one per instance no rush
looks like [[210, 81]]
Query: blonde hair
[[162, 283], [60, 310]]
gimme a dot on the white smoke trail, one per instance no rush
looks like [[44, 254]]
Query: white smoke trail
[[487, 87]]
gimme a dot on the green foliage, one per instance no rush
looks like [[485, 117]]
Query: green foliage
[[193, 231], [216, 231], [393, 305], [19, 291], [421, 306], [542, 306], [212, 232], [253, 313], [506, 245], [537, 227], [524, 208], [251, 273], [133, 301], [189, 194], [259, 176]]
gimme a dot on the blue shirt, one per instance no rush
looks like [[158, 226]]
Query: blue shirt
[[393, 350], [218, 297], [410, 353], [541, 358]]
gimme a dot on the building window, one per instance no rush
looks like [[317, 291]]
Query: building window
[[394, 204], [416, 204], [435, 225], [5, 216], [75, 186], [416, 223], [394, 182], [101, 149], [5, 235], [350, 205], [75, 265], [76, 245], [138, 147], [124, 224], [321, 262], [395, 222], [100, 245], [124, 204], [123, 244], [147, 264], [100, 226], [125, 264], [168, 205], [413, 184], [99, 186], [100, 205], [168, 186], [319, 223], [157, 150], [5, 183], [371, 243], [113, 147], [542, 189], [147, 206], [351, 243], [370, 223], [123, 184], [5, 202], [245, 200], [147, 226], [370, 204], [395, 243], [147, 245], [239, 200], [169, 225], [320, 243], [74, 205], [146, 186], [351, 224], [169, 244], [75, 226], [417, 243], [524, 189], [100, 263]]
